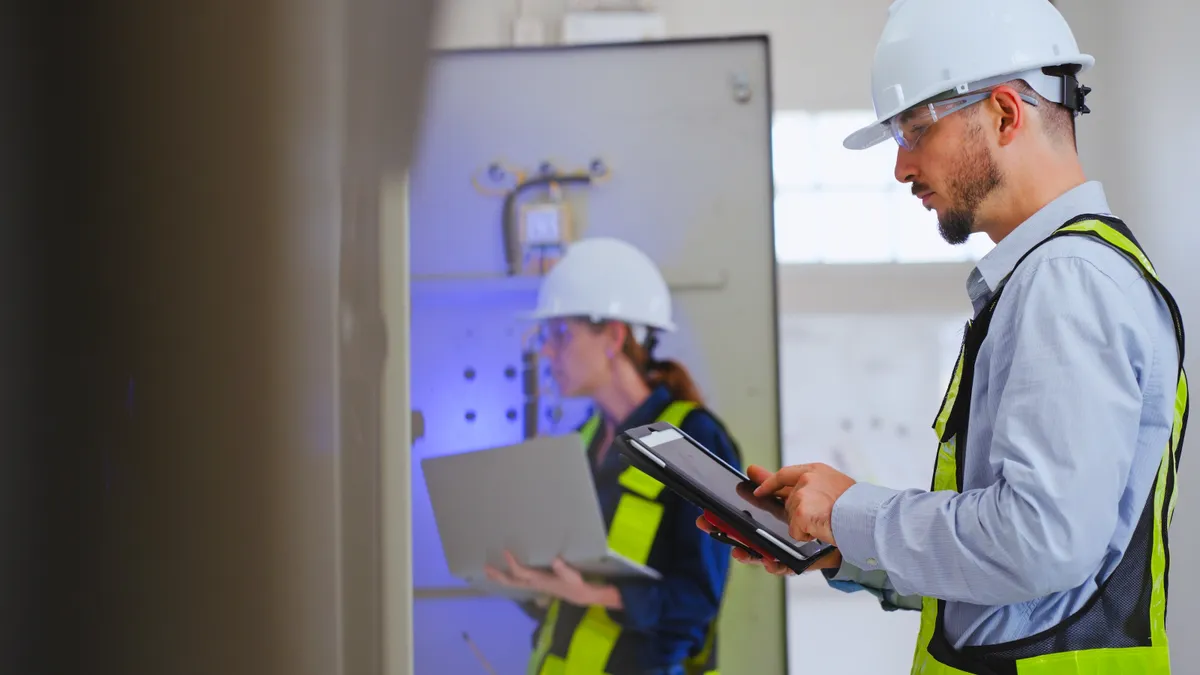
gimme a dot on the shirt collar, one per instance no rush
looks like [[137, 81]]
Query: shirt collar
[[1000, 261]]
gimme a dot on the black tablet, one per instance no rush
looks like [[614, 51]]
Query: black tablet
[[725, 494]]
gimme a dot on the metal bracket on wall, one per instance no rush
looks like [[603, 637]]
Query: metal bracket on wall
[[418, 426]]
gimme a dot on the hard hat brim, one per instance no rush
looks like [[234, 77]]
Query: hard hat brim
[[543, 315], [869, 136]]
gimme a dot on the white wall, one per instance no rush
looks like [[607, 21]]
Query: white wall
[[861, 384], [803, 37]]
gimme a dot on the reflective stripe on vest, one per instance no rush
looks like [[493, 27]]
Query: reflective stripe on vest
[[632, 533], [1152, 658]]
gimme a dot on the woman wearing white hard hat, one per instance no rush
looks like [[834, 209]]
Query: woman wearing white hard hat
[[1041, 546], [601, 308]]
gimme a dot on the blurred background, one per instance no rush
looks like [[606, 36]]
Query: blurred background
[[258, 269]]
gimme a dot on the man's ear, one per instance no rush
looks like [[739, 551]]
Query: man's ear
[[1008, 112]]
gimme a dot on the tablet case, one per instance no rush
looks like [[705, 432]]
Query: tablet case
[[739, 533], [732, 538]]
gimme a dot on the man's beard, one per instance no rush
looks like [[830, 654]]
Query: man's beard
[[975, 177]]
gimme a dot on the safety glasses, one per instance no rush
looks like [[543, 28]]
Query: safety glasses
[[552, 333], [557, 333], [909, 126]]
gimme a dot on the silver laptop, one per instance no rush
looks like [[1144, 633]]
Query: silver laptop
[[535, 499]]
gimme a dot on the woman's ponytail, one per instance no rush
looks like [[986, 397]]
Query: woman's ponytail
[[669, 373]]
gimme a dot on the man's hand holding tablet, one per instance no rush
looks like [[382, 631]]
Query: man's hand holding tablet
[[806, 489]]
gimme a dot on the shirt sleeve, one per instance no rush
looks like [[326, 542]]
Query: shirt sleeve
[[1063, 443], [849, 579], [695, 570]]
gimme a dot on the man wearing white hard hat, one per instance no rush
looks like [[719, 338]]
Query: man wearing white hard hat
[[1041, 546], [601, 308]]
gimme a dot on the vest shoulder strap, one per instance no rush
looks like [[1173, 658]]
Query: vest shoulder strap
[[674, 414], [588, 431], [1108, 229], [1114, 233]]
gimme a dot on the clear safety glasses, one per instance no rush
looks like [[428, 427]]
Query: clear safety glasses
[[552, 333], [909, 126]]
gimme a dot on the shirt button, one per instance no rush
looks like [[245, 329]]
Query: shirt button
[[872, 562]]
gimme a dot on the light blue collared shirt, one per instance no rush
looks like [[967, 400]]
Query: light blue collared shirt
[[1071, 407]]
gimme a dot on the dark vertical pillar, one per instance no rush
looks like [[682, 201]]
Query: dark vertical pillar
[[152, 272]]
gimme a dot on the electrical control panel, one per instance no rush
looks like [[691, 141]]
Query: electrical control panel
[[663, 144]]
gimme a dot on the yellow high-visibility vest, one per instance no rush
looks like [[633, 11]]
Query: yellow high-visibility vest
[[1112, 634], [632, 532]]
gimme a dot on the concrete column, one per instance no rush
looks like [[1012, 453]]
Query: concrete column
[[190, 470]]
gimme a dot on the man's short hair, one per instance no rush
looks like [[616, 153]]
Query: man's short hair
[[1058, 120]]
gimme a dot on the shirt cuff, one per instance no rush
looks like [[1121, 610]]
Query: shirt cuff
[[850, 579], [844, 572], [847, 573], [853, 523], [843, 578]]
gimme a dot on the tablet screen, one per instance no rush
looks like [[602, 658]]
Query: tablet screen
[[705, 471]]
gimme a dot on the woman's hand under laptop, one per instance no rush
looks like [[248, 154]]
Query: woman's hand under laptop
[[563, 582]]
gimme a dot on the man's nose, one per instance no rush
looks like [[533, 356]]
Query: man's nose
[[905, 170]]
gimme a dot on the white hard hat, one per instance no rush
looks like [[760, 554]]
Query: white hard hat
[[606, 279], [930, 47]]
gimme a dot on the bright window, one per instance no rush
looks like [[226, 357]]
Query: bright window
[[834, 205]]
